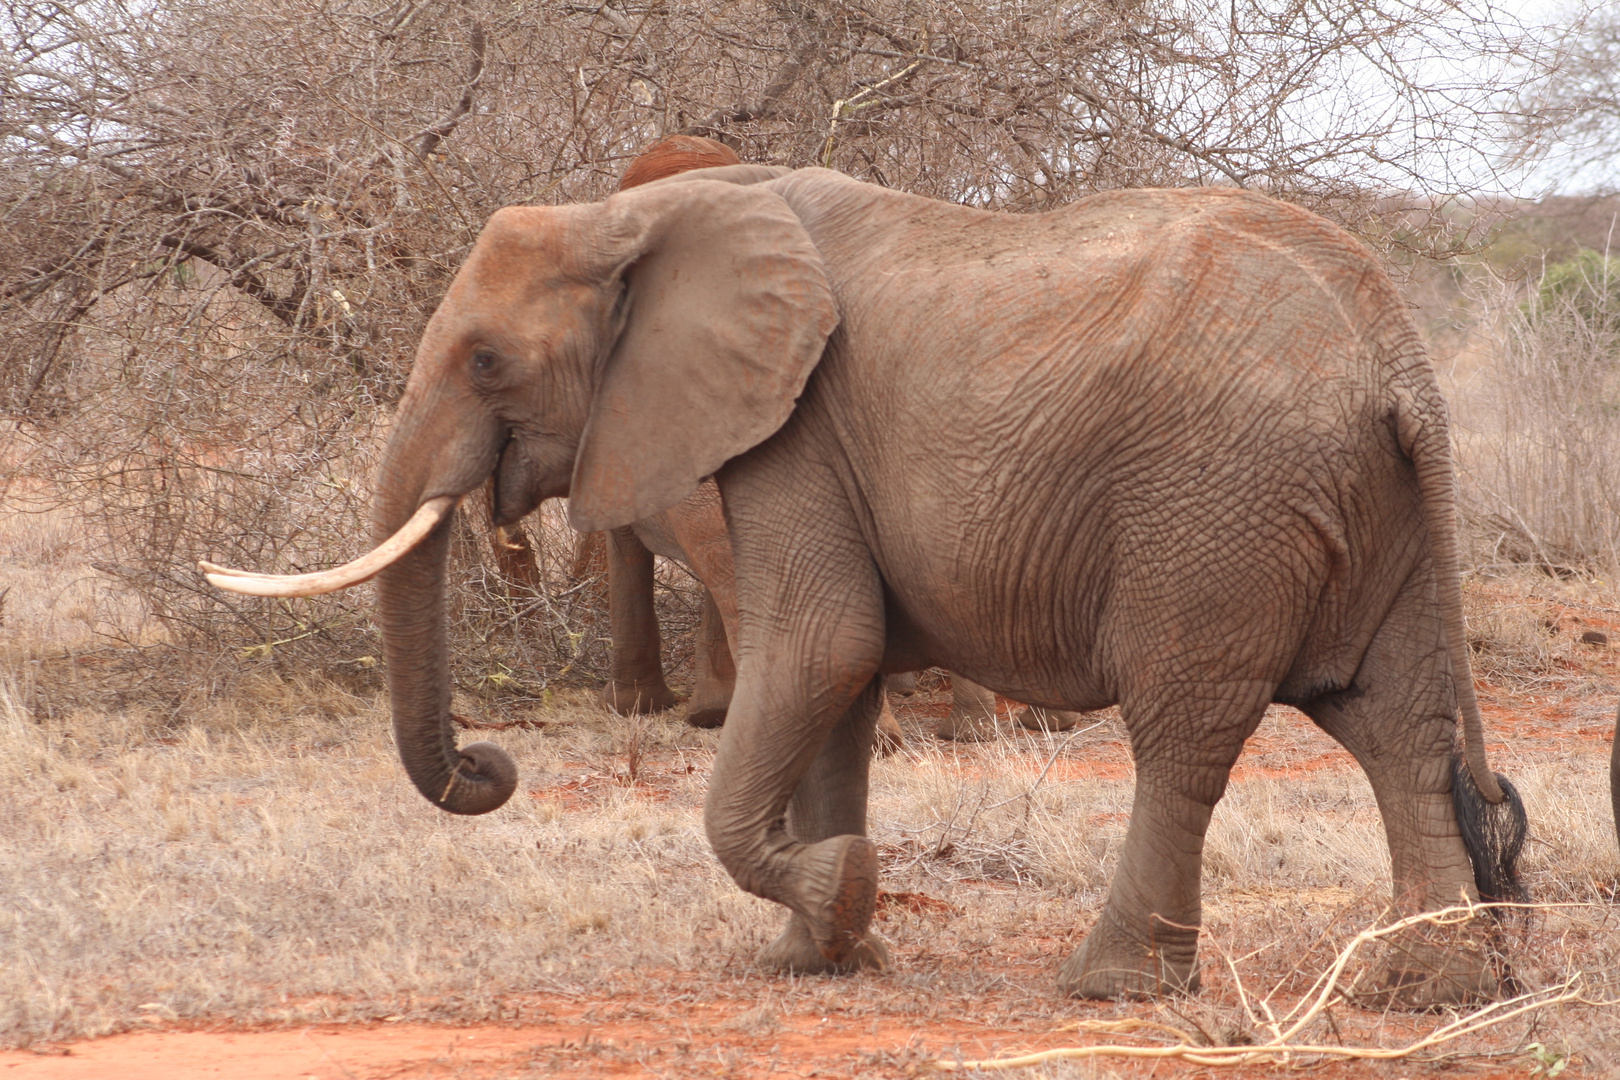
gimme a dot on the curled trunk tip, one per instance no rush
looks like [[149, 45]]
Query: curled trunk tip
[[482, 780]]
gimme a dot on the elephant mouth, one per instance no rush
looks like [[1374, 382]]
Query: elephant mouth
[[517, 484], [248, 583]]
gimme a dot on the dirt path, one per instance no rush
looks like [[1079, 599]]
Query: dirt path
[[703, 1040]]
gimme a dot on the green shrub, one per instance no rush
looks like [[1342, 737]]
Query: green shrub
[[1587, 286]]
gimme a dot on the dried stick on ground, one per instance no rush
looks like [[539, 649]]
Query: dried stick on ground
[[1280, 1049]]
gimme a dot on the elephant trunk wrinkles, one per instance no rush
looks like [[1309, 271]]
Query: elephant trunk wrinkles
[[410, 604], [411, 613]]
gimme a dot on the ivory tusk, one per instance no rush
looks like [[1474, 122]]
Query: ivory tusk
[[251, 583]]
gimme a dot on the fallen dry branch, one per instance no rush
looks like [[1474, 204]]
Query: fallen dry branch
[[494, 725], [1280, 1049]]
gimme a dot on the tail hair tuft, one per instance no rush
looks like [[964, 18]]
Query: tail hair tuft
[[1493, 835]]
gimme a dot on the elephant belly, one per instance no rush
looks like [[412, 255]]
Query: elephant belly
[[1084, 593], [1027, 651]]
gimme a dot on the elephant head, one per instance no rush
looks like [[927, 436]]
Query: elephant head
[[677, 154], [616, 353]]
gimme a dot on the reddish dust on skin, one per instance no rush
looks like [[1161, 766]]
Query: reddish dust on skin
[[719, 1024]]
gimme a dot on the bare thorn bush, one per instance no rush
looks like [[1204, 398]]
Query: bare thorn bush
[[1538, 421], [227, 222]]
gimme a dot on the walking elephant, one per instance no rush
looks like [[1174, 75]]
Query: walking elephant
[[1178, 450], [693, 533]]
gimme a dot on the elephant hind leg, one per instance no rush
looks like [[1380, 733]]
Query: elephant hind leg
[[890, 738], [1398, 719], [903, 683], [1185, 739], [1032, 719], [973, 712]]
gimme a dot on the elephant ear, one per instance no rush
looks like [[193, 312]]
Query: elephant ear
[[727, 310]]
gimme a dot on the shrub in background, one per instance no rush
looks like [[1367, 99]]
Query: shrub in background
[[1539, 420]]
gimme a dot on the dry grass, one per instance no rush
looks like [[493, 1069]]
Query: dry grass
[[1534, 399], [267, 861], [270, 851], [54, 600]]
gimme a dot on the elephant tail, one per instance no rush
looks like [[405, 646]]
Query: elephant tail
[[1493, 835], [1490, 812]]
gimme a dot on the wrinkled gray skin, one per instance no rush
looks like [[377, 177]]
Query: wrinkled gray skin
[[1178, 450]]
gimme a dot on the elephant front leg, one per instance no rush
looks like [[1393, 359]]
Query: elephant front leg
[[637, 684], [786, 814], [828, 811], [1145, 943], [786, 807], [716, 677]]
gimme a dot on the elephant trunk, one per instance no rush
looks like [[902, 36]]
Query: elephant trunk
[[410, 607], [411, 614]]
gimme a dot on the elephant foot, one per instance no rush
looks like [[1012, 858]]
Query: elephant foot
[[973, 712], [835, 882], [966, 725], [1109, 965], [1421, 974], [708, 704], [1032, 719], [634, 699], [889, 736], [904, 684], [795, 953]]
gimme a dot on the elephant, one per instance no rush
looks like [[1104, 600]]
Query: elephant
[[1178, 450], [693, 534]]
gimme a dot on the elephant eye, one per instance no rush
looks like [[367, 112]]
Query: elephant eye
[[483, 363]]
